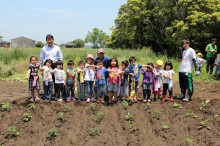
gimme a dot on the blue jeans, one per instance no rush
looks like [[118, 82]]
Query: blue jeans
[[48, 94], [89, 88], [70, 88], [217, 70]]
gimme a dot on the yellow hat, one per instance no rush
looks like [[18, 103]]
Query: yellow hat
[[218, 56], [159, 62], [199, 54]]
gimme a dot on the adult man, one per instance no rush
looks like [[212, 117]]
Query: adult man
[[185, 71], [101, 56], [211, 49]]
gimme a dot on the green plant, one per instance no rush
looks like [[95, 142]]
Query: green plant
[[176, 105], [165, 127], [94, 131], [203, 124], [189, 113], [31, 106], [125, 105], [13, 132], [156, 114], [67, 108], [98, 116], [134, 126], [53, 133], [5, 106], [216, 116], [92, 106], [129, 117], [61, 116], [147, 106], [195, 116], [204, 104], [0, 117], [187, 141], [27, 117]]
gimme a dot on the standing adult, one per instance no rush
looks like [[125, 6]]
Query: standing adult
[[211, 49], [101, 56], [51, 51]]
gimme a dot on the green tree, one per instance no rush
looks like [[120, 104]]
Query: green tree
[[97, 38], [1, 37], [39, 44], [79, 43]]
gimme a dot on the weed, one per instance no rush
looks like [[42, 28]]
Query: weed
[[13, 132], [67, 108], [134, 126], [148, 106], [27, 117], [94, 131], [165, 127], [204, 104], [216, 116], [98, 116], [5, 106], [203, 124], [156, 114], [129, 117], [176, 105], [61, 116], [53, 133], [31, 106], [125, 105]]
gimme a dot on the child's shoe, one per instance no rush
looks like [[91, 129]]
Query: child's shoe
[[164, 98], [93, 100], [61, 99], [32, 99], [148, 100], [88, 100], [97, 101], [144, 101], [135, 100], [102, 101], [74, 99], [171, 98]]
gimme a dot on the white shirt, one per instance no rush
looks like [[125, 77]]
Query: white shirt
[[54, 53], [167, 73], [89, 73], [199, 61], [187, 62], [47, 74], [59, 73]]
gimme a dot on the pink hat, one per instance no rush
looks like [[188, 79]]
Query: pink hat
[[100, 50], [90, 56]]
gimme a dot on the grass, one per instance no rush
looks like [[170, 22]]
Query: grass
[[14, 61]]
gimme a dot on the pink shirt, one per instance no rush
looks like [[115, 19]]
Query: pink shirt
[[112, 77]]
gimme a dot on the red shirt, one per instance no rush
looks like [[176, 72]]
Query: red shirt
[[112, 77]]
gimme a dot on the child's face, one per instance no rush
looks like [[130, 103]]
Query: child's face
[[113, 62], [48, 64], [123, 66], [133, 62], [71, 66], [168, 67], [158, 66], [89, 60], [34, 61], [199, 56], [149, 69], [100, 64], [185, 45], [59, 66], [81, 66]]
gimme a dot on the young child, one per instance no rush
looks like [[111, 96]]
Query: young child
[[134, 72], [217, 63], [148, 75], [157, 81], [124, 87], [60, 80], [100, 78], [185, 71], [32, 74], [200, 61], [47, 80], [113, 80], [81, 81], [89, 77], [168, 81], [71, 81]]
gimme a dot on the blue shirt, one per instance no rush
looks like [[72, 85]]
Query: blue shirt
[[54, 53], [126, 75], [136, 71], [106, 61], [100, 75]]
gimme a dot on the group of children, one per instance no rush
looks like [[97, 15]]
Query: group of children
[[118, 83]]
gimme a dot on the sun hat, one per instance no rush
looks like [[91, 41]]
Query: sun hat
[[90, 56], [218, 56], [159, 62], [100, 50], [199, 54]]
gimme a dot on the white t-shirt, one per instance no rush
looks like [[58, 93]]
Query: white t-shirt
[[47, 74], [187, 63], [59, 75], [167, 73], [89, 73]]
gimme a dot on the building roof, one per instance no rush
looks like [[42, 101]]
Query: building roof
[[22, 37]]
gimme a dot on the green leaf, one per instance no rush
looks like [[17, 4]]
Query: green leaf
[[195, 116], [189, 140], [216, 116]]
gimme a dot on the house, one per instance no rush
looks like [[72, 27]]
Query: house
[[5, 44], [69, 45], [22, 42]]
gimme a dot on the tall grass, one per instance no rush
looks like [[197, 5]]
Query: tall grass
[[14, 62]]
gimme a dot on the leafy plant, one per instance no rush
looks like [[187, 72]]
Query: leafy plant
[[13, 132], [176, 105], [5, 106], [148, 106], [134, 126], [204, 104], [53, 133], [165, 127], [129, 117], [216, 116], [61, 116], [0, 117], [67, 108], [189, 113], [94, 131], [187, 141], [195, 116], [27, 117], [92, 106], [125, 104], [31, 106], [156, 114], [203, 124], [98, 116]]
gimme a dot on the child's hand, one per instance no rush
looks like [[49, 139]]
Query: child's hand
[[93, 84], [26, 77], [68, 71], [132, 74]]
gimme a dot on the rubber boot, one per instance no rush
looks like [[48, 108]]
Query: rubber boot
[[164, 98], [171, 98]]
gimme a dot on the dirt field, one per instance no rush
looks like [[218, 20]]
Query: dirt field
[[114, 129]]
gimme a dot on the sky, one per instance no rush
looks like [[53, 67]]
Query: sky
[[66, 20]]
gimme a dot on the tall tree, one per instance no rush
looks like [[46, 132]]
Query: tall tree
[[97, 38], [79, 43]]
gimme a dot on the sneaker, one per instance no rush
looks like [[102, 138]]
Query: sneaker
[[68, 99], [144, 101], [88, 100], [74, 99], [181, 96], [164, 98], [148, 100], [154, 99], [186, 99], [97, 101], [102, 101], [32, 99], [132, 100], [135, 100], [60, 99], [37, 99], [92, 100]]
